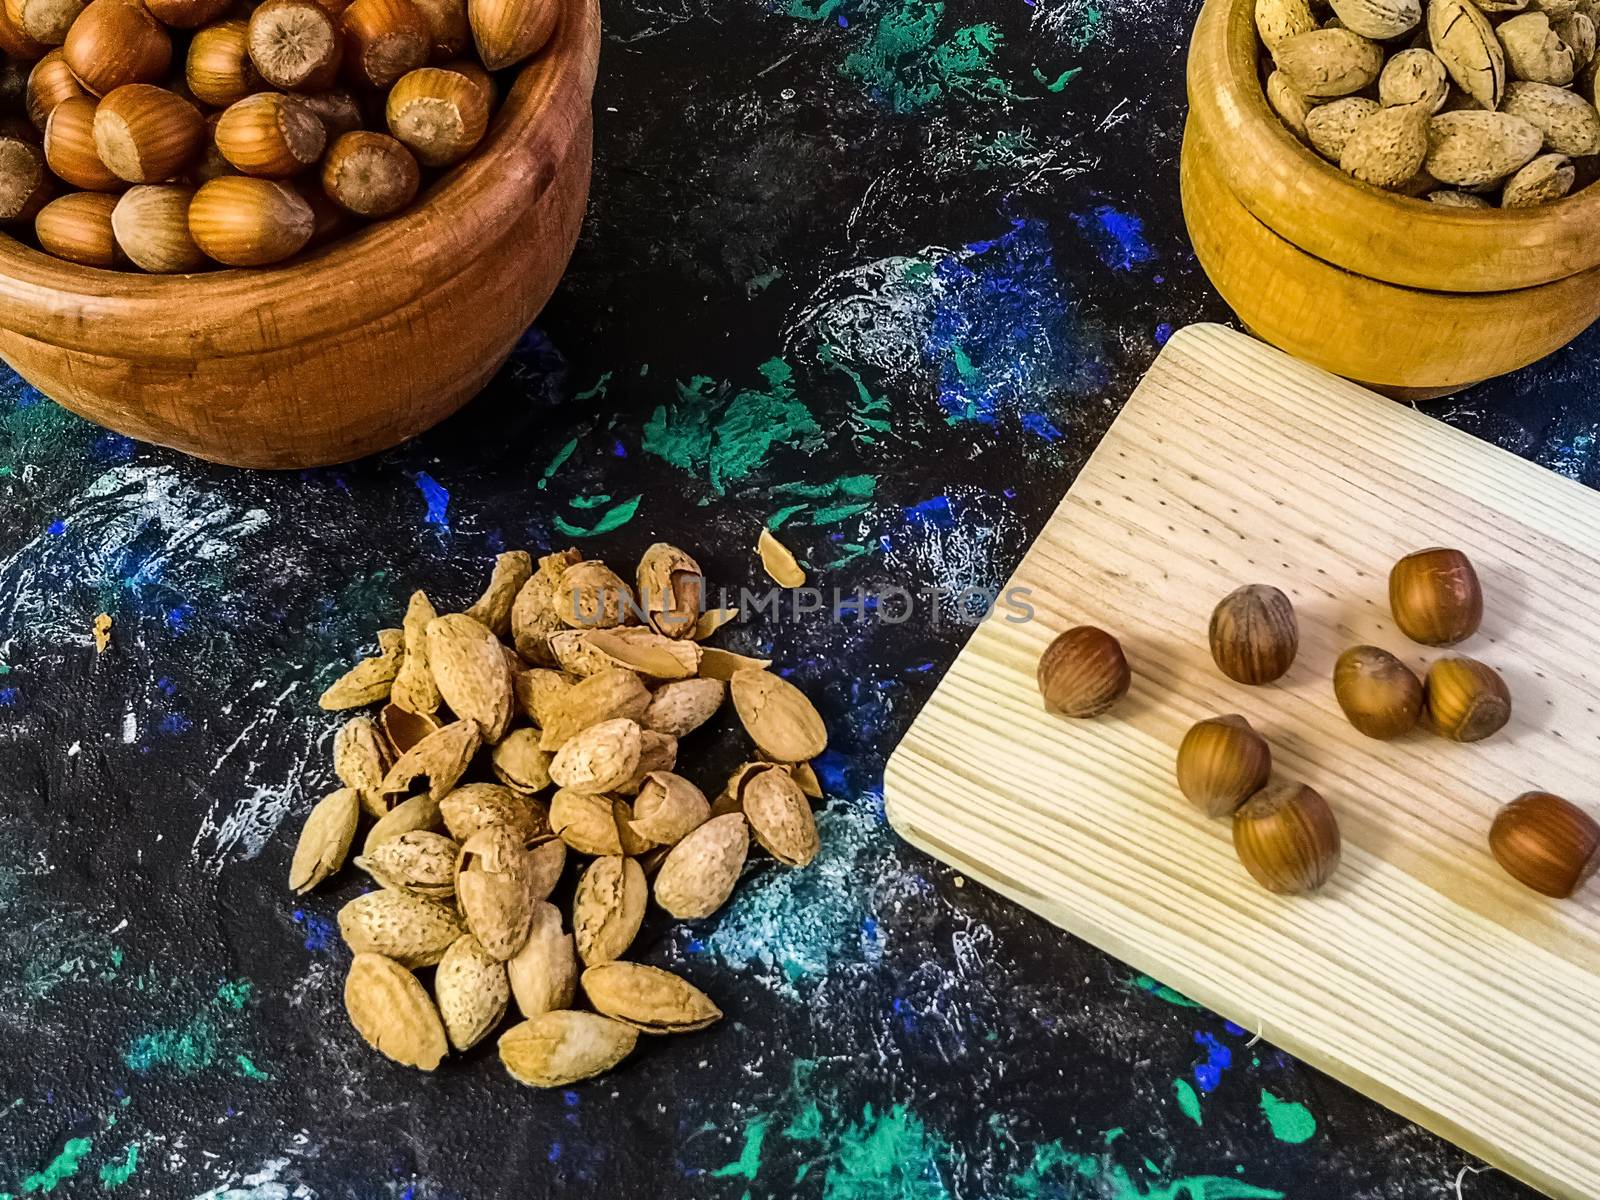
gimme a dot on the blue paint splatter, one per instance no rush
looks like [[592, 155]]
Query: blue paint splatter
[[1218, 1059], [178, 618], [57, 527], [933, 512], [320, 932], [1117, 237], [175, 723], [1041, 426], [437, 498], [1163, 333], [112, 448], [8, 697]]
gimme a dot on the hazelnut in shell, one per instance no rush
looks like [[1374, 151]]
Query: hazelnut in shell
[[218, 70], [77, 228], [1465, 700], [146, 134], [1435, 597], [1546, 843], [338, 110], [1083, 673], [151, 224], [271, 134], [508, 31], [1287, 838], [114, 42], [18, 44], [24, 182], [1254, 635], [44, 22], [70, 150], [187, 14], [441, 115], [296, 45], [242, 221], [449, 32], [49, 83], [1380, 695], [370, 174], [1222, 762], [383, 40]]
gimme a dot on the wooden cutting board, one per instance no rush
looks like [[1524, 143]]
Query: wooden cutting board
[[1422, 975]]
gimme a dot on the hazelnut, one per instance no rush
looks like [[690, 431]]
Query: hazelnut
[[113, 43], [1287, 838], [1254, 636], [218, 70], [296, 45], [1435, 597], [146, 134], [70, 150], [187, 14], [151, 224], [1465, 700], [383, 40], [1083, 673], [24, 181], [370, 174], [439, 114], [508, 31], [1222, 762], [339, 112], [271, 134], [43, 21], [247, 222], [1381, 696], [77, 228], [1546, 843], [49, 83], [18, 44], [449, 34]]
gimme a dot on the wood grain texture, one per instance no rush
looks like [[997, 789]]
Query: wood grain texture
[[1398, 339], [1422, 975], [1311, 203], [350, 349]]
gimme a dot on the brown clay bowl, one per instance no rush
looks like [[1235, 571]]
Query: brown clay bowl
[[1391, 291], [350, 349]]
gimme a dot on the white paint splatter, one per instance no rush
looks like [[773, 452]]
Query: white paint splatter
[[878, 314], [264, 1183]]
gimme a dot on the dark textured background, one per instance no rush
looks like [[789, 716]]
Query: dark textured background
[[878, 271]]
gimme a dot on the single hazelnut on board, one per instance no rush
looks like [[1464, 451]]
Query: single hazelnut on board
[[1546, 843], [1436, 597], [1465, 700], [1254, 636], [1381, 696], [1222, 762], [113, 43], [1287, 838], [1083, 673]]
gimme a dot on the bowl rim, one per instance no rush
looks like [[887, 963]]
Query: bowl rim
[[334, 288], [1311, 203]]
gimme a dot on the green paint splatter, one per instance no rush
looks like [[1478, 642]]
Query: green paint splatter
[[1188, 1101], [860, 486], [761, 282], [906, 68], [249, 1069], [1056, 1171], [60, 1169], [599, 389], [748, 1164], [1061, 80], [114, 1174], [34, 431], [193, 1046], [807, 1124], [887, 1157], [235, 994], [776, 520], [1290, 1122], [1162, 992], [588, 502], [555, 463], [614, 518]]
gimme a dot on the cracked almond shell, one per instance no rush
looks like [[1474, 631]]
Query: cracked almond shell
[[390, 1008], [494, 888], [492, 610], [668, 808], [414, 689], [472, 991], [544, 973], [412, 931], [780, 817], [648, 999], [361, 759], [370, 679], [564, 1047], [777, 716], [474, 807], [700, 872], [420, 862], [519, 763], [608, 908]]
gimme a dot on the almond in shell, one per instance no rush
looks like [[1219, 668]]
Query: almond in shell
[[412, 931], [1473, 148], [648, 999], [1325, 63], [1387, 148], [564, 1047], [681, 707], [520, 764], [606, 695], [1329, 126], [668, 808], [409, 816], [1544, 180], [547, 858], [419, 862], [470, 668], [608, 908], [1414, 76], [511, 573], [601, 758], [472, 990], [780, 817], [1290, 105], [1534, 51], [592, 596], [1277, 20], [494, 888], [778, 717], [1568, 123], [1379, 19], [544, 973], [1464, 40], [390, 1008], [370, 679], [585, 822], [671, 590], [414, 689], [361, 759], [699, 873], [435, 764], [474, 807], [657, 752], [325, 839], [538, 690], [533, 614]]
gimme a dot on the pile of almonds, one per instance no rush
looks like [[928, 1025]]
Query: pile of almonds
[[564, 676], [172, 135], [1469, 103], [1285, 833]]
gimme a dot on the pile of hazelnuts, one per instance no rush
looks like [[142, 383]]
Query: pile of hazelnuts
[[1284, 832], [172, 135]]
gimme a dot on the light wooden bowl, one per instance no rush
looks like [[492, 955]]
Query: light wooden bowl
[[1397, 293], [353, 348]]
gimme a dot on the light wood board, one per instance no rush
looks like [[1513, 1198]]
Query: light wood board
[[1422, 975]]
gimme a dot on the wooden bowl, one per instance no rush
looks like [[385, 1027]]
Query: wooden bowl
[[352, 348], [1390, 291]]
